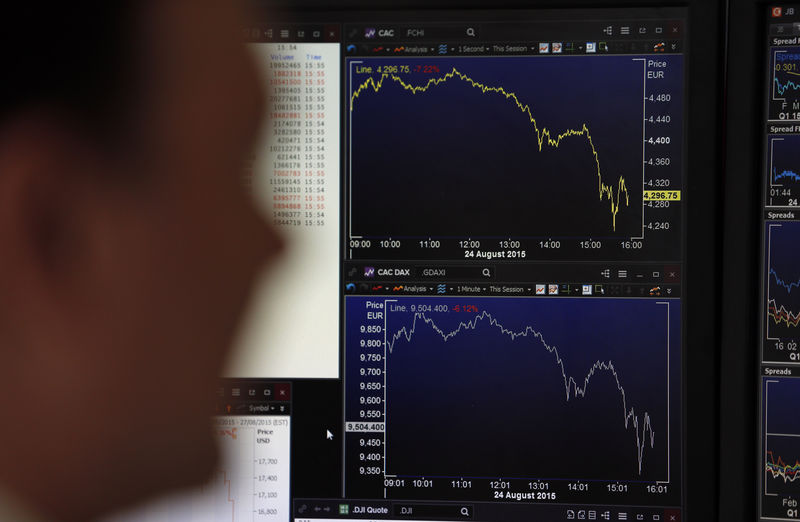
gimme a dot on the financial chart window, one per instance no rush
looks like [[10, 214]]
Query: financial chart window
[[512, 266], [779, 381], [481, 313]]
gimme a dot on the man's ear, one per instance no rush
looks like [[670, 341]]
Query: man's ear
[[44, 168]]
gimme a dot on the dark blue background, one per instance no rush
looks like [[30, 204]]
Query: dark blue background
[[786, 156], [782, 408], [481, 405], [782, 77], [783, 259], [782, 418], [453, 161]]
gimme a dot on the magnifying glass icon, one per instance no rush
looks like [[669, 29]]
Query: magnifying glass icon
[[465, 511], [486, 273], [471, 31]]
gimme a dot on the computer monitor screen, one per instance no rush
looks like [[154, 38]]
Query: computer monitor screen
[[779, 380], [480, 315]]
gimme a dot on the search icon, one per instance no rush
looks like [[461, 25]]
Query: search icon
[[471, 31], [464, 511], [486, 273]]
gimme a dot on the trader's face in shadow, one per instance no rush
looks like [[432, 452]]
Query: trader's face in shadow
[[126, 270]]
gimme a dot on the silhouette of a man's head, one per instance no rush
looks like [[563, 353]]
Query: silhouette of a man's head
[[128, 243]]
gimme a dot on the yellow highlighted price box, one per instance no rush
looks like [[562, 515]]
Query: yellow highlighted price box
[[662, 195]]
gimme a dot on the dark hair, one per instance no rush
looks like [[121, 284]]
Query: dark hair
[[71, 56]]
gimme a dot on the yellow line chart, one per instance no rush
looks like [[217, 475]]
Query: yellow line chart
[[543, 135]]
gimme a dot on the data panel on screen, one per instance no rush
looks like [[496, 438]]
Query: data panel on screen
[[485, 215], [513, 249], [782, 313], [251, 481], [593, 383], [292, 328], [779, 435], [247, 486], [783, 170], [562, 179], [780, 447], [784, 98]]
